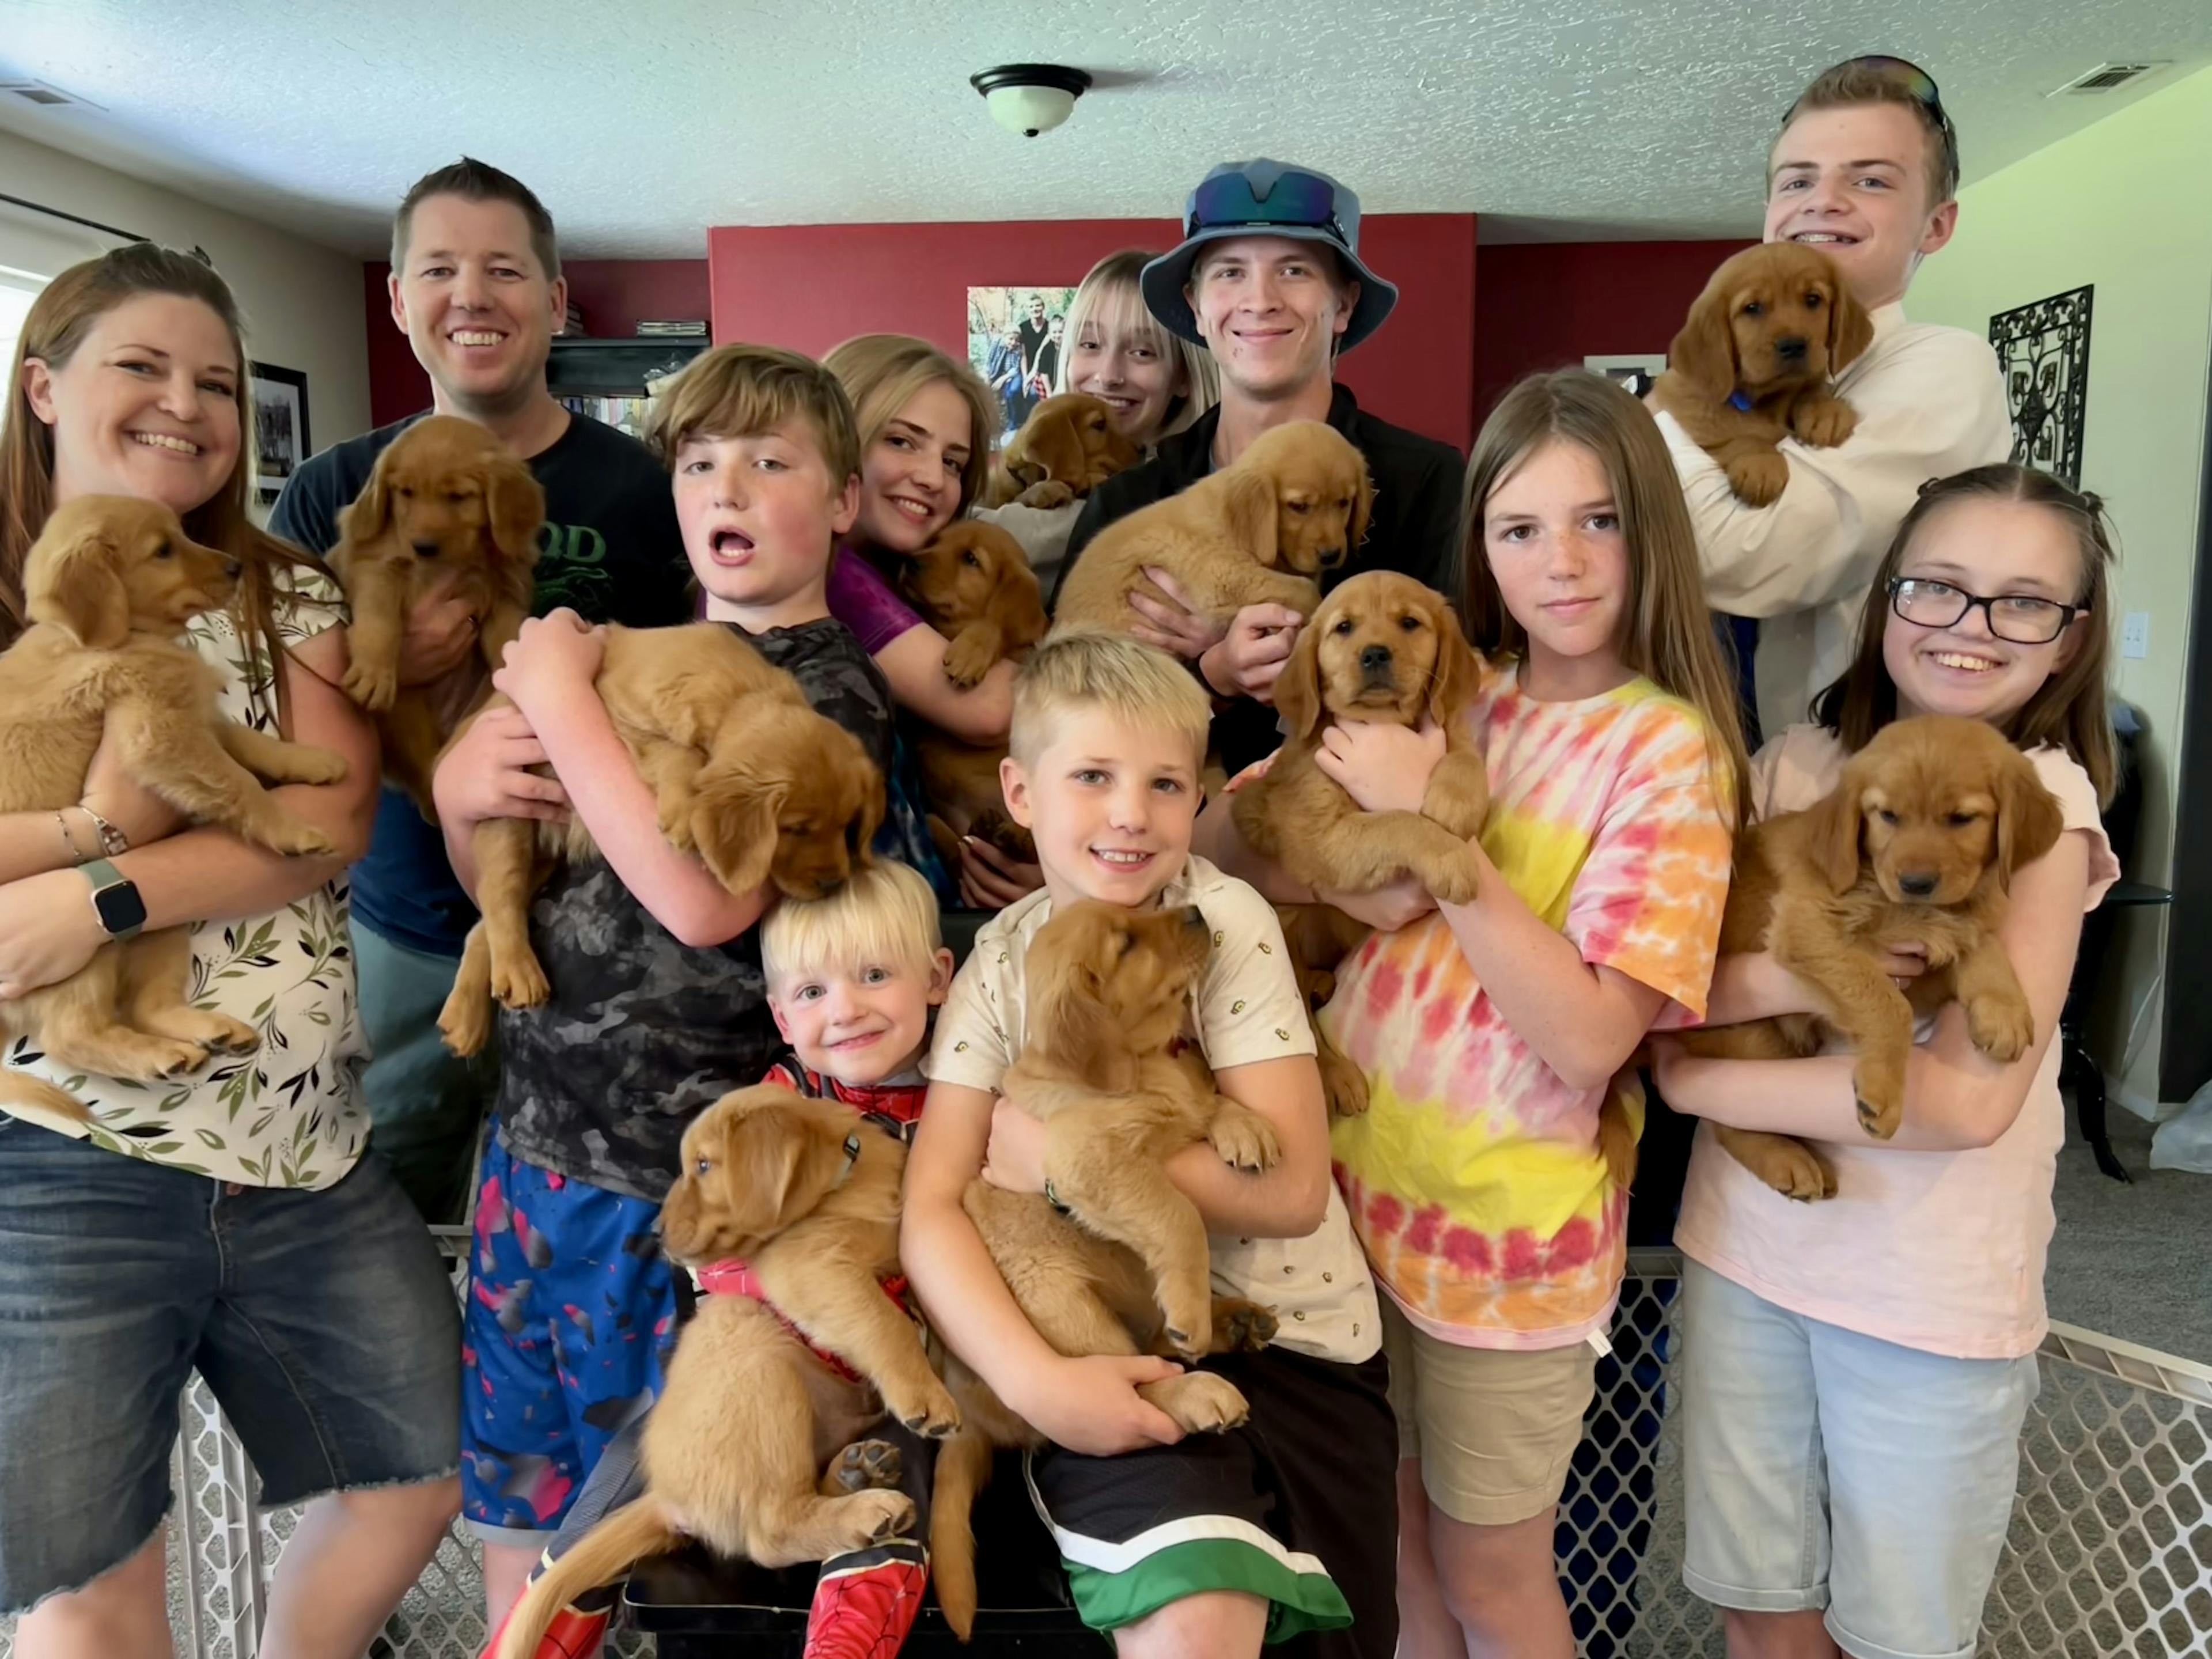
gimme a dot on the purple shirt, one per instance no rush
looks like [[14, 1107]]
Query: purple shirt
[[859, 597]]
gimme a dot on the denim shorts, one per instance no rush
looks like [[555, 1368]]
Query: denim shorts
[[324, 1322], [1826, 1468]]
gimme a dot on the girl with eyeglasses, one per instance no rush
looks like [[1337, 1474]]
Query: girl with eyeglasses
[[1857, 1371]]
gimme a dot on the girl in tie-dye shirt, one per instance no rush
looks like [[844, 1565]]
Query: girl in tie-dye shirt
[[1491, 1033]]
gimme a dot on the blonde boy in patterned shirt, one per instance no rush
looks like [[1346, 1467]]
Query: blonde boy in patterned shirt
[[1210, 1544]]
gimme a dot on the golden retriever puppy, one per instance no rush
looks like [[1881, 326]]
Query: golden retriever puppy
[[1916, 847], [793, 1205], [109, 586], [974, 585], [1752, 364], [1259, 533], [1125, 1268], [449, 511], [746, 774], [1065, 450]]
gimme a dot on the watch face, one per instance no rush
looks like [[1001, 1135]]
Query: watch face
[[121, 909]]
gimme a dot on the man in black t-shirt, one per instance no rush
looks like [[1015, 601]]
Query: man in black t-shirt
[[475, 286], [1268, 278]]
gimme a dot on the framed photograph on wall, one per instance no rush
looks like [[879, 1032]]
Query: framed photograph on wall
[[280, 426], [1015, 337], [2043, 351]]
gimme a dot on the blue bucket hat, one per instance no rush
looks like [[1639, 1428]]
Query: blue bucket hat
[[1266, 198]]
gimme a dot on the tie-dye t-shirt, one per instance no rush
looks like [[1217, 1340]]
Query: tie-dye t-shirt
[[1473, 1178]]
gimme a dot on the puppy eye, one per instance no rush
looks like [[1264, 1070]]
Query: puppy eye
[[970, 559], [457, 496], [1409, 624], [164, 551], [1885, 815], [1296, 506], [1344, 626], [704, 1166], [1960, 820], [1755, 309], [1812, 301], [406, 492]]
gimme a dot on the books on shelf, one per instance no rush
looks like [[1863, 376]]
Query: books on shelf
[[624, 413], [673, 328]]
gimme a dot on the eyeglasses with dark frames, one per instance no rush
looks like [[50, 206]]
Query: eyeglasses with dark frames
[[2019, 619]]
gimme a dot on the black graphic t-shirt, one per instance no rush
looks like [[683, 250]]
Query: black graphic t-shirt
[[611, 550], [641, 1032]]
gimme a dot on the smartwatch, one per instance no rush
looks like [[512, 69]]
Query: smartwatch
[[115, 899]]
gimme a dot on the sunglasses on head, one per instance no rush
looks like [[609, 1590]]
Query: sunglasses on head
[[1916, 82], [1298, 200]]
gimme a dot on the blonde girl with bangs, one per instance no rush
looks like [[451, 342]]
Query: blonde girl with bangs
[[1153, 384], [1491, 1033]]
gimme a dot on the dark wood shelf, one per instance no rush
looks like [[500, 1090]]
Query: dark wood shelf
[[581, 367]]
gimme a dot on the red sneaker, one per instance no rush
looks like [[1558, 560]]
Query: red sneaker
[[575, 1634]]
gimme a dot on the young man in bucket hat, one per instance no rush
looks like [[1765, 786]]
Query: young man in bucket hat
[[1268, 278]]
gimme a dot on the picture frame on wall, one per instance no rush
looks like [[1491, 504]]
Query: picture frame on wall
[[1015, 339], [2043, 350], [281, 443], [1651, 365]]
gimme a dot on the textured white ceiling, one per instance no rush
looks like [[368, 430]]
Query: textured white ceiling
[[641, 125]]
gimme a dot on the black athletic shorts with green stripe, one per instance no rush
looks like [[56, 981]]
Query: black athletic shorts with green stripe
[[1299, 1505]]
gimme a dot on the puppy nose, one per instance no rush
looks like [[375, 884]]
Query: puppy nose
[[427, 550], [1374, 659], [1791, 346], [1917, 884]]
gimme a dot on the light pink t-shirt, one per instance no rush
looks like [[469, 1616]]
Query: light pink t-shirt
[[1939, 1251]]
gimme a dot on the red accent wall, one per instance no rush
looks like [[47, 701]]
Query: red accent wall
[[1547, 305], [807, 287], [613, 295]]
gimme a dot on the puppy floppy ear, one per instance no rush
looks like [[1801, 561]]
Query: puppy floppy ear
[[1837, 818], [516, 504], [1050, 443], [2029, 820], [1704, 352], [1017, 602], [734, 827], [1297, 688], [1362, 511], [82, 590], [1458, 673], [763, 1153], [1069, 1017], [370, 516], [1851, 330], [1248, 504]]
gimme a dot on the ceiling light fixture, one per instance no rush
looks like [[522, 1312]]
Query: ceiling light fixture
[[1030, 98]]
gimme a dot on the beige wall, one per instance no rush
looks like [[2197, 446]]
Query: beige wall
[[2123, 205], [302, 301]]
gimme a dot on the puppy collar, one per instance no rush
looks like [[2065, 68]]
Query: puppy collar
[[1737, 400], [734, 1277]]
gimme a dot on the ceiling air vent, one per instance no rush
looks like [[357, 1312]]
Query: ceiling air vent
[[2105, 77], [38, 92]]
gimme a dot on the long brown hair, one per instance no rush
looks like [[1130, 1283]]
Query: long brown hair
[[2068, 709], [1668, 632], [60, 318]]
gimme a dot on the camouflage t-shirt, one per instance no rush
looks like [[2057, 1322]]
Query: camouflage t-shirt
[[642, 1033]]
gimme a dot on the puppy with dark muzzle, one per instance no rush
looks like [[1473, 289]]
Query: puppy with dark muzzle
[[1752, 364]]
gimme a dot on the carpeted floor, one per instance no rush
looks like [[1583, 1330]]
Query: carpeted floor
[[2133, 1261]]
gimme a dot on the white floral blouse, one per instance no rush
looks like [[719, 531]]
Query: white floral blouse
[[291, 1114]]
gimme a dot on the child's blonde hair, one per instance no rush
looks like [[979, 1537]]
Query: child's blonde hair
[[886, 912], [881, 373], [1111, 292], [1669, 631], [1088, 668], [2069, 710], [740, 391]]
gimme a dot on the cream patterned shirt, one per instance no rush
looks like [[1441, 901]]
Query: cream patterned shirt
[[291, 1114], [1245, 1009]]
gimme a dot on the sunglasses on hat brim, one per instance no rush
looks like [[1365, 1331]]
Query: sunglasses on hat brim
[[1296, 200], [1914, 80]]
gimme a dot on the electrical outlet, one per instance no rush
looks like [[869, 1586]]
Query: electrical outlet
[[2134, 634]]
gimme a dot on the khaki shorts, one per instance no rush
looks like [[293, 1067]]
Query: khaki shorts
[[1494, 1428]]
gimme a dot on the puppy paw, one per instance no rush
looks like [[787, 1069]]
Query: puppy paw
[[864, 1466], [518, 981], [1880, 1108], [1758, 479], [303, 763], [968, 659], [1241, 1327], [1797, 1172], [2004, 1028], [1343, 1083], [930, 1413], [231, 1036], [466, 1024], [1244, 1139], [1046, 494], [1187, 1322], [1198, 1401], [173, 1058], [373, 686], [1454, 880], [281, 833], [873, 1516], [1823, 422]]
